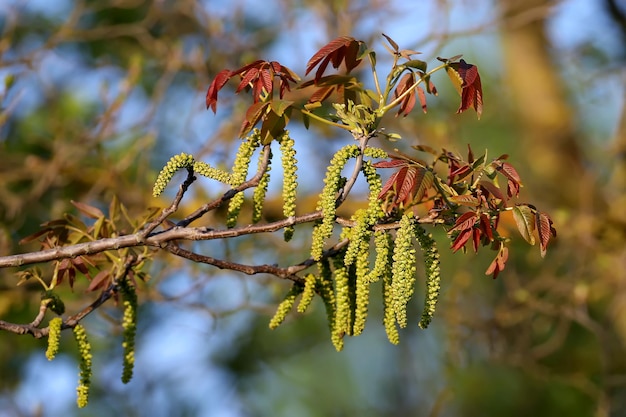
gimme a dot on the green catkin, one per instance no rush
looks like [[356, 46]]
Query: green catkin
[[389, 317], [377, 153], [403, 269], [175, 163], [357, 234], [325, 288], [290, 181], [382, 242], [260, 191], [433, 274], [327, 202], [216, 174], [365, 219], [362, 288], [308, 293], [286, 305], [240, 172], [54, 337], [343, 305], [129, 323], [84, 350]]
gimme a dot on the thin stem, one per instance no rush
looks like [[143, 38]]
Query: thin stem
[[375, 75], [321, 119], [401, 97], [343, 194]]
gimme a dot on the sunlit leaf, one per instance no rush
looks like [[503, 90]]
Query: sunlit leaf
[[216, 85], [545, 231], [525, 220], [87, 210]]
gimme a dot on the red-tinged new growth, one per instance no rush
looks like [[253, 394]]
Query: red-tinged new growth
[[466, 80], [259, 77], [343, 49]]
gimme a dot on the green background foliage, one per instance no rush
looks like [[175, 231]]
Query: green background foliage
[[98, 95]]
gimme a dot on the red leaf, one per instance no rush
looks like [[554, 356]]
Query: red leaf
[[492, 189], [465, 222], [498, 264], [423, 182], [408, 102], [545, 231], [392, 163], [461, 239], [340, 49], [466, 79], [465, 200], [247, 78], [485, 226], [253, 115], [388, 185], [405, 182], [220, 80], [422, 97], [99, 281], [475, 239]]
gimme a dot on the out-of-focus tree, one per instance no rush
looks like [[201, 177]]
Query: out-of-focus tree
[[87, 115]]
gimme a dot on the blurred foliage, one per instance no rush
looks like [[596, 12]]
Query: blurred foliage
[[93, 103]]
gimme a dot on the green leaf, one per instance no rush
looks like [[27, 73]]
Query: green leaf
[[525, 219]]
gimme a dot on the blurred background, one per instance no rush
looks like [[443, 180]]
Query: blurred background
[[97, 95]]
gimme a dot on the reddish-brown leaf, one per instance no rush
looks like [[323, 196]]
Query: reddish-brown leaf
[[492, 189], [485, 226], [247, 78], [216, 85], [87, 210], [392, 163], [423, 182], [408, 102], [344, 48], [388, 185], [498, 264], [465, 200], [476, 239], [466, 80], [101, 280], [465, 221], [545, 231], [405, 182], [253, 115], [422, 98], [461, 239]]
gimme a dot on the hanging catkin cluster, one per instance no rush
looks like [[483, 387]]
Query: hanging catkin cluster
[[175, 163], [187, 161], [129, 323], [327, 203], [84, 351], [240, 172], [345, 287], [290, 180], [54, 337]]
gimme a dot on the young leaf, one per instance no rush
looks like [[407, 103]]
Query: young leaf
[[545, 231], [497, 265], [87, 210], [525, 220], [216, 85], [343, 49], [466, 80]]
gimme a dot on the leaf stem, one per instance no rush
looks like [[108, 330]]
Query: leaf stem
[[321, 119], [401, 97]]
